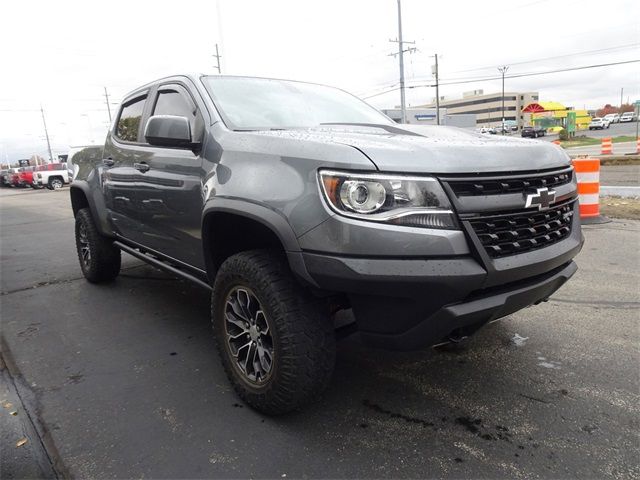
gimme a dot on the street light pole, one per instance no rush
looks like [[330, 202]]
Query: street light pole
[[503, 70], [437, 93], [46, 133]]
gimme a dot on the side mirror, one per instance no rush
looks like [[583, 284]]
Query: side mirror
[[168, 131]]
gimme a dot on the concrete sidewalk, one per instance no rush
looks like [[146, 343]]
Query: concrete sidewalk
[[622, 148]]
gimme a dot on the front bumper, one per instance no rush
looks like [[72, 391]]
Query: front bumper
[[411, 303], [431, 300]]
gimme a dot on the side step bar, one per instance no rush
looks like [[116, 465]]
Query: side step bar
[[161, 265]]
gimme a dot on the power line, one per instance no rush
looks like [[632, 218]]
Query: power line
[[584, 52], [518, 75], [481, 77], [532, 74]]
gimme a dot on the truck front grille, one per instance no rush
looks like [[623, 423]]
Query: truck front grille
[[516, 184], [513, 233]]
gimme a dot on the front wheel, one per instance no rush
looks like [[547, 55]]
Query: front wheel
[[99, 258], [275, 339]]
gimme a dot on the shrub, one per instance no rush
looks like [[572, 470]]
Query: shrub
[[563, 134]]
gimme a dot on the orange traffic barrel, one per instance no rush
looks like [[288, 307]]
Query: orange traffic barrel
[[607, 146], [588, 177]]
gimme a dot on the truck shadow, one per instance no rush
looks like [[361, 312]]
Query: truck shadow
[[377, 399]]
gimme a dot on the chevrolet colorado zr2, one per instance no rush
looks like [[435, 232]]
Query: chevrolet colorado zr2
[[290, 201]]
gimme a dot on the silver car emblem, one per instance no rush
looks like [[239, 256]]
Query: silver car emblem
[[542, 199]]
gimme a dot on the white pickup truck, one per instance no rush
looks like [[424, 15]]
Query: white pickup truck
[[54, 176]]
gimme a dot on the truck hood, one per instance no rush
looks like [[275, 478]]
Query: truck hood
[[434, 149]]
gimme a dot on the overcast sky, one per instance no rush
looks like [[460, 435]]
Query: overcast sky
[[62, 53]]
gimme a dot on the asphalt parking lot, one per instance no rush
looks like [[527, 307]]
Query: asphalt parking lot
[[123, 381]]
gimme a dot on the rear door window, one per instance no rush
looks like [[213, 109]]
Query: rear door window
[[128, 125]]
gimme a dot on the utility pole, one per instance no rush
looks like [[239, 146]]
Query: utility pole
[[217, 57], [621, 93], [46, 133], [401, 51], [106, 96], [437, 92], [503, 70]]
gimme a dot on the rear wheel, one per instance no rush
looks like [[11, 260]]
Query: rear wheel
[[275, 340], [99, 258], [56, 184]]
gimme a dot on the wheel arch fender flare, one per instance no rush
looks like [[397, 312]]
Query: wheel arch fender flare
[[262, 214], [81, 196]]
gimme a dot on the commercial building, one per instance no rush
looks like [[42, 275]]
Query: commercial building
[[554, 116], [488, 107], [427, 116]]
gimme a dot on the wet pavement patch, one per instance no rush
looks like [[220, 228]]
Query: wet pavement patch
[[377, 408]]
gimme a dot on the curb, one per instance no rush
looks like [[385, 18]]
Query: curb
[[597, 220], [622, 191]]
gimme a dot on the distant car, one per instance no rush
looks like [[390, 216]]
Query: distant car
[[489, 130], [612, 118], [598, 123], [533, 132], [7, 177], [628, 117]]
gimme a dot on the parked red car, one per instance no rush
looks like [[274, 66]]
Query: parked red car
[[25, 177], [15, 177]]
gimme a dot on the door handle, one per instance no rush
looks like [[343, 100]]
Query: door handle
[[108, 162], [143, 167]]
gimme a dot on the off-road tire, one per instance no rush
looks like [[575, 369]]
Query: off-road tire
[[302, 332], [104, 262]]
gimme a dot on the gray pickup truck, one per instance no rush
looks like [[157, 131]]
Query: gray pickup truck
[[291, 201]]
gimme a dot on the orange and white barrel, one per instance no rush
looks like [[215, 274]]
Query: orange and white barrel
[[588, 177], [607, 146]]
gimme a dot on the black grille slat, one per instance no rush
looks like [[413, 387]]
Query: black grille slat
[[513, 233], [462, 188]]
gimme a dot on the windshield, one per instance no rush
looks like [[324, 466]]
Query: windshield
[[260, 103]]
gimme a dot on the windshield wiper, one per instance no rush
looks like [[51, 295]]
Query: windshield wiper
[[383, 126]]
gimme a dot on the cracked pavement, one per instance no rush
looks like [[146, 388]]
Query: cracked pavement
[[123, 380]]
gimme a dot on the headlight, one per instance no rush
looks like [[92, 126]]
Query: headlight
[[395, 199]]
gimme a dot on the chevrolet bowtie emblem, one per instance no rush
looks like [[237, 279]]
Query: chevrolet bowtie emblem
[[542, 199]]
